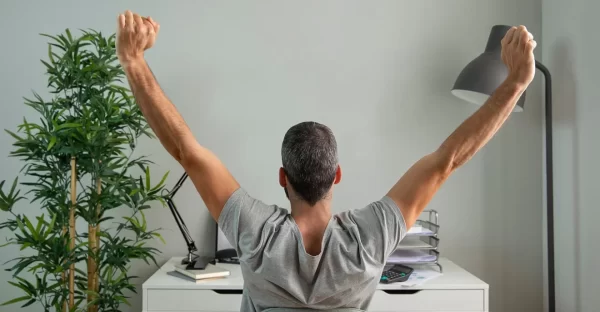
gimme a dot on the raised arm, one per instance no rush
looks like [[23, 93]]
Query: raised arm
[[417, 186], [210, 177]]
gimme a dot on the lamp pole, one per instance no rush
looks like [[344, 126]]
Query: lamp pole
[[475, 84], [549, 185]]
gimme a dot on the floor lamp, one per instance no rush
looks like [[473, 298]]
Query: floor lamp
[[477, 81]]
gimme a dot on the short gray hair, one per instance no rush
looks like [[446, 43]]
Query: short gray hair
[[310, 160]]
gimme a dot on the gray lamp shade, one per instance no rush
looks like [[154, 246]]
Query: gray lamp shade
[[482, 76]]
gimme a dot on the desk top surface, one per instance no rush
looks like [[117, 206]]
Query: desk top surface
[[454, 277]]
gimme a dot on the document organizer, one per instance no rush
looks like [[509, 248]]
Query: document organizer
[[420, 245]]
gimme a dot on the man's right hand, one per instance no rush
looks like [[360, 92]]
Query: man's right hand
[[135, 34], [517, 55], [417, 186]]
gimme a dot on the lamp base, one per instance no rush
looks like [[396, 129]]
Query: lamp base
[[196, 263]]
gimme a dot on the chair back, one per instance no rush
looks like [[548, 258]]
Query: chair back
[[312, 310]]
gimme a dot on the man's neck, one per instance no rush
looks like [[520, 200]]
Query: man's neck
[[312, 222], [319, 213]]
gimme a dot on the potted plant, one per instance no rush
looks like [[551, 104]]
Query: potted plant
[[79, 167]]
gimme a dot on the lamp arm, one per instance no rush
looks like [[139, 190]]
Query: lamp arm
[[178, 219], [182, 227], [549, 184]]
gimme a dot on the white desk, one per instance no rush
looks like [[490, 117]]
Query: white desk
[[455, 290]]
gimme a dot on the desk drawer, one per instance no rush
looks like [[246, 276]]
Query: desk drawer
[[383, 300], [428, 300], [194, 300]]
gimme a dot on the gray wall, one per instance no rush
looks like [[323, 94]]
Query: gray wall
[[378, 73], [570, 45]]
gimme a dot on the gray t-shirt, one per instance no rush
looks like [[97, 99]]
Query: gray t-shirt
[[279, 273]]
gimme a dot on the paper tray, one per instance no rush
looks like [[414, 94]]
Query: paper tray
[[422, 242], [415, 257], [429, 227]]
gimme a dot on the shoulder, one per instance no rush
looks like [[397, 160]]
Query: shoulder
[[377, 227], [374, 212], [244, 207]]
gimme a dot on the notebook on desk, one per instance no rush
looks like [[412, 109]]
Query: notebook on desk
[[189, 279], [210, 271]]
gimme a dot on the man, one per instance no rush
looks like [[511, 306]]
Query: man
[[311, 258]]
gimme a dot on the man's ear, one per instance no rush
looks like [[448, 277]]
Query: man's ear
[[282, 179], [338, 175]]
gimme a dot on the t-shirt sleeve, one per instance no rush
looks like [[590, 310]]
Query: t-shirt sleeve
[[380, 227], [245, 222]]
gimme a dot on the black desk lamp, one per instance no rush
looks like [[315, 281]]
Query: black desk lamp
[[193, 261], [477, 81]]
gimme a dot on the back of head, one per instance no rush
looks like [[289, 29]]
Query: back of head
[[310, 160]]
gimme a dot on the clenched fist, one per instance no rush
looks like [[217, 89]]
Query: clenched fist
[[135, 34], [517, 55]]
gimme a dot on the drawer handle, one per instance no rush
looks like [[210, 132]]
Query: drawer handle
[[387, 291], [228, 291], [401, 291]]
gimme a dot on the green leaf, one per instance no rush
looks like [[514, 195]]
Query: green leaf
[[159, 237], [50, 54], [147, 178], [22, 287], [50, 68], [20, 225], [40, 223], [54, 38], [55, 285], [143, 226], [51, 226], [8, 243], [162, 182], [91, 292], [15, 300], [133, 221], [18, 138], [31, 228], [68, 32], [12, 189], [68, 125], [28, 303], [52, 143], [58, 46]]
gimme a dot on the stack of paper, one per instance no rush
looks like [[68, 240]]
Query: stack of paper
[[413, 243], [209, 272], [419, 230], [410, 256]]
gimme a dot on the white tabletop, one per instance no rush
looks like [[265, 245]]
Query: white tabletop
[[454, 277]]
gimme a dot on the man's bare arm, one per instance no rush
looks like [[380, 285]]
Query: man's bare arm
[[416, 187], [210, 177]]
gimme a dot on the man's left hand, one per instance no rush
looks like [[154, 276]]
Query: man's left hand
[[135, 34]]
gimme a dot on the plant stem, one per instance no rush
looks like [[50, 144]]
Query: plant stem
[[64, 273], [91, 265], [94, 242], [97, 275], [72, 233], [63, 234]]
